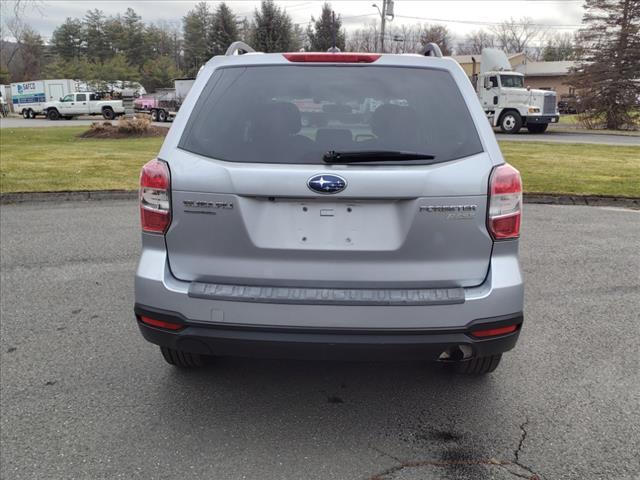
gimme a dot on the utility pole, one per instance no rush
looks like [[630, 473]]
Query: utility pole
[[387, 11]]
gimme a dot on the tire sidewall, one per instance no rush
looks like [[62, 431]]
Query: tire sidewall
[[108, 114], [53, 114], [154, 115], [511, 122], [162, 116]]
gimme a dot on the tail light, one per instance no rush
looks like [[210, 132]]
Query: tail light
[[505, 203], [332, 57], [494, 332], [161, 323], [155, 204]]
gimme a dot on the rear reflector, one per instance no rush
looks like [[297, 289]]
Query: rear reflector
[[332, 57], [494, 332], [161, 323], [155, 207], [505, 203]]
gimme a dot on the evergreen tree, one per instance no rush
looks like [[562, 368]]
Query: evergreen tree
[[31, 54], [159, 73], [5, 75], [225, 30], [77, 68], [134, 45], [95, 37], [114, 31], [115, 70], [198, 41], [67, 40], [162, 39], [272, 29], [609, 68], [326, 31]]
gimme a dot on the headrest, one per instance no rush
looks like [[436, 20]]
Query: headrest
[[392, 118], [277, 118]]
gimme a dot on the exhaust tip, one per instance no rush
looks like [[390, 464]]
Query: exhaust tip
[[456, 353]]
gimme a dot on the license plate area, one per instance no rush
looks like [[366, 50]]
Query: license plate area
[[309, 224]]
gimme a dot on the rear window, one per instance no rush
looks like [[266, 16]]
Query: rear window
[[294, 114]]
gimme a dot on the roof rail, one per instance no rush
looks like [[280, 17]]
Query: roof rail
[[432, 50], [238, 48]]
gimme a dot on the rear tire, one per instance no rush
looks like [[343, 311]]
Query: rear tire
[[162, 116], [108, 114], [538, 128], [25, 114], [479, 365], [510, 122], [32, 114], [53, 114], [181, 359], [154, 115]]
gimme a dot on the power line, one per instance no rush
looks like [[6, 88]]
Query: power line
[[471, 22]]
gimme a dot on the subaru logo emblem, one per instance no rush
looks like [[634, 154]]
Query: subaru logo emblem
[[327, 183]]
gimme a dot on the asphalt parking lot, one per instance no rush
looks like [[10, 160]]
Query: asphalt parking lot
[[84, 397]]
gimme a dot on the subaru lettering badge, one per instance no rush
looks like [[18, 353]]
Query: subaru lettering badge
[[327, 183]]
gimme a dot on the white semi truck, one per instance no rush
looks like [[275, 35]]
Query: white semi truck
[[505, 99], [28, 98]]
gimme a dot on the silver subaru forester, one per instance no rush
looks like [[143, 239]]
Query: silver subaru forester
[[331, 205]]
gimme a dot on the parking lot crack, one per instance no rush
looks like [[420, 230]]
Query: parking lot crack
[[514, 467], [529, 473], [391, 472]]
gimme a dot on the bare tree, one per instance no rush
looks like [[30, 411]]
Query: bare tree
[[364, 39], [560, 46], [404, 39], [438, 34], [400, 38], [14, 28], [474, 42], [517, 35]]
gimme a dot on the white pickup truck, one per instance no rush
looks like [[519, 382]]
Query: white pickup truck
[[83, 103]]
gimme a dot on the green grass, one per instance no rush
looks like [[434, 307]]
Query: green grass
[[572, 123], [580, 169], [568, 119], [53, 159]]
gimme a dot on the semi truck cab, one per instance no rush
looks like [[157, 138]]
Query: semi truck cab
[[508, 103]]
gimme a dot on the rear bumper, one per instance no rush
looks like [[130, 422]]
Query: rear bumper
[[320, 343], [227, 326], [542, 119]]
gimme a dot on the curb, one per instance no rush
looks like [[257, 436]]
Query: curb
[[76, 196], [94, 195], [589, 200]]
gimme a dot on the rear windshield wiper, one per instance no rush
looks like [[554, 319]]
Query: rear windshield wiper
[[374, 156]]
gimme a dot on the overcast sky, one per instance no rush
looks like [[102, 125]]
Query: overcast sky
[[461, 16]]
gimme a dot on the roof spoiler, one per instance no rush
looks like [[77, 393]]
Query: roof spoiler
[[432, 50]]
